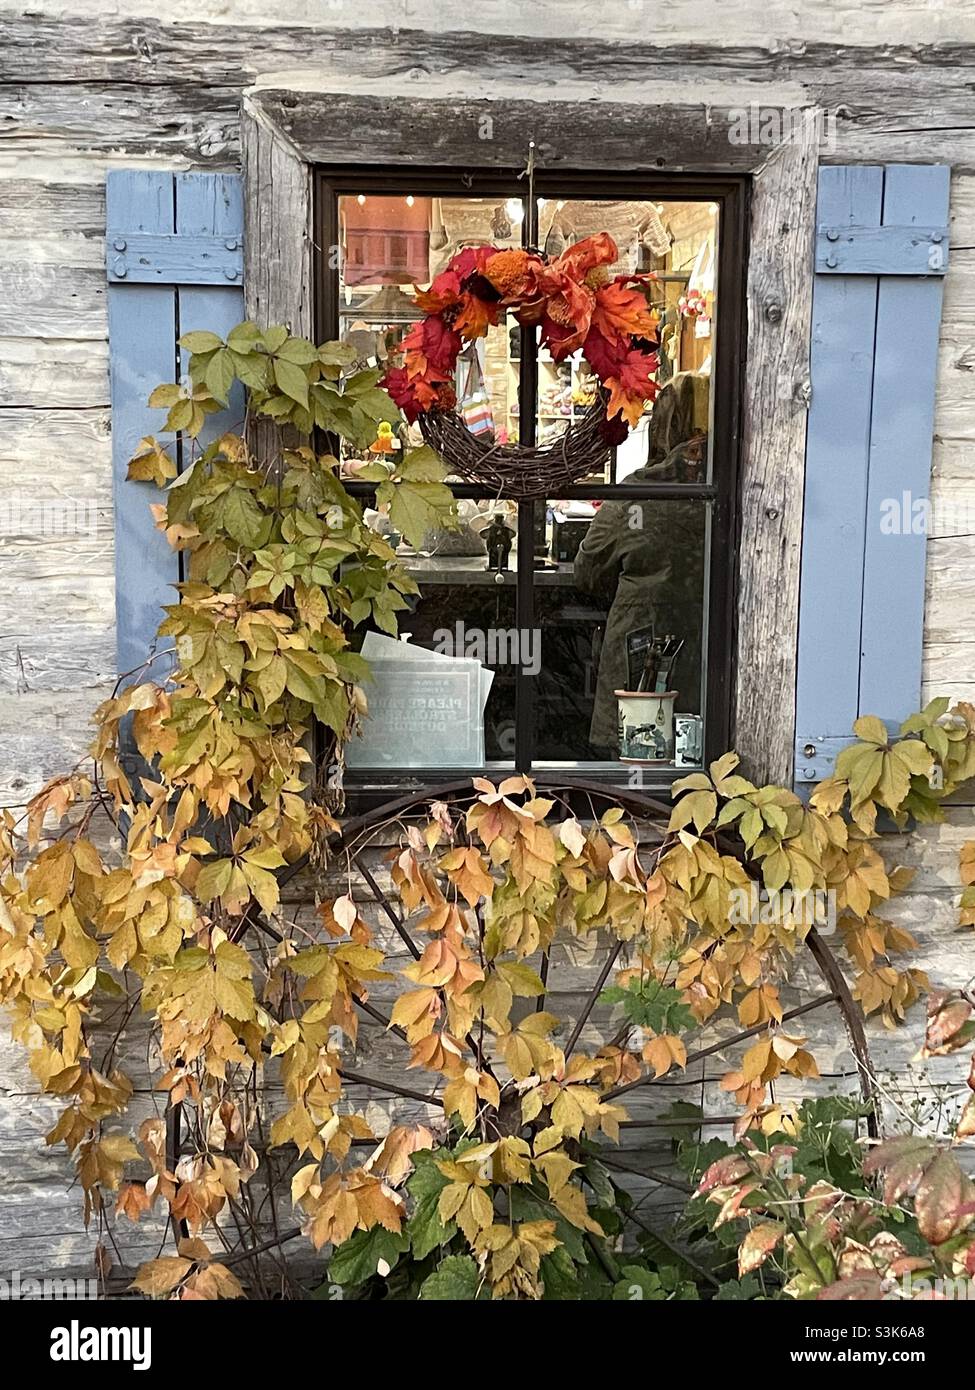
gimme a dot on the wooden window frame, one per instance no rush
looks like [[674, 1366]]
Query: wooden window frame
[[719, 494], [285, 134]]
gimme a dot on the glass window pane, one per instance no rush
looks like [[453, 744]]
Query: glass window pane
[[621, 606], [619, 588], [465, 617], [389, 244], [676, 242]]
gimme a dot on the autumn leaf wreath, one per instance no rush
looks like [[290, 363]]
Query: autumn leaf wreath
[[574, 301]]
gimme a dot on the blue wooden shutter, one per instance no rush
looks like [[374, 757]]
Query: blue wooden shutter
[[881, 254], [175, 263]]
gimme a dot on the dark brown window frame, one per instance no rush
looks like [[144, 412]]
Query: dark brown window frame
[[286, 132], [730, 193]]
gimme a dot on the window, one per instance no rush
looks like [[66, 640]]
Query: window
[[603, 583]]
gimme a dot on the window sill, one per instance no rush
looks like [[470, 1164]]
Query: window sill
[[367, 789]]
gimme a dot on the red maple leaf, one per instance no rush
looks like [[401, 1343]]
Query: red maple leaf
[[438, 344], [447, 288], [632, 385], [604, 355], [621, 311], [401, 390]]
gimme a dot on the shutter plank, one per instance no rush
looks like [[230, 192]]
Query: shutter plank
[[874, 368], [212, 205], [142, 337], [901, 435], [837, 457], [145, 322]]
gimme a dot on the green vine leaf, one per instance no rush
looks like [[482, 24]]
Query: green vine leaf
[[364, 1254], [200, 341], [456, 1281], [417, 508], [291, 380]]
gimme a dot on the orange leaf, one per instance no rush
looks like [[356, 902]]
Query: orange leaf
[[758, 1245], [622, 310]]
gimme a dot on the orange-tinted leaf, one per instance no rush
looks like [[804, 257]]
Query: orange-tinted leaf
[[758, 1245], [940, 1194], [157, 1277]]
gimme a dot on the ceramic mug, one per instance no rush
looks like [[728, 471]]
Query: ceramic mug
[[646, 725]]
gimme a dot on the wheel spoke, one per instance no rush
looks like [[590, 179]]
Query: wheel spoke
[[651, 1173], [384, 903], [543, 976], [380, 1017], [389, 1087], [174, 1147], [816, 1003], [236, 1256], [629, 1214], [593, 995]]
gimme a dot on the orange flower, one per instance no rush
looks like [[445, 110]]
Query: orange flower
[[557, 298], [508, 272]]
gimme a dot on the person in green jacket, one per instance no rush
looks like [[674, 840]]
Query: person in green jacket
[[646, 561]]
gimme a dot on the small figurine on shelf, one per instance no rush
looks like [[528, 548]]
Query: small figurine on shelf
[[497, 539], [385, 443]]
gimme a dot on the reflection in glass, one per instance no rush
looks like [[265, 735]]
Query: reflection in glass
[[625, 590], [391, 244], [465, 613], [677, 243]]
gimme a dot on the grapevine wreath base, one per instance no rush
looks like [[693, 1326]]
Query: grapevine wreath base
[[576, 305], [520, 471]]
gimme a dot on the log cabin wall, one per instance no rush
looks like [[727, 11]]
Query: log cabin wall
[[84, 89]]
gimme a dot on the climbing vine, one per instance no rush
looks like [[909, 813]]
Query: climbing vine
[[160, 890], [817, 1217]]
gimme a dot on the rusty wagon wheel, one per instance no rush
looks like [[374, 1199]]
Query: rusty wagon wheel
[[363, 848]]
